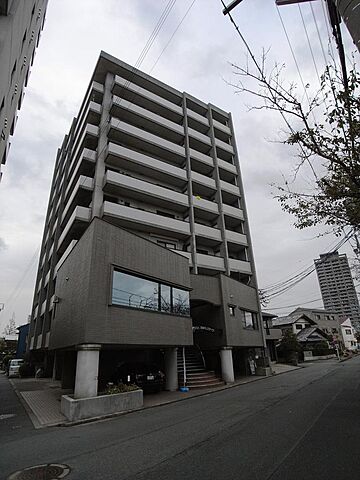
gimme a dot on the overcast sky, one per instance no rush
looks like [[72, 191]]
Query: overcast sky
[[197, 61]]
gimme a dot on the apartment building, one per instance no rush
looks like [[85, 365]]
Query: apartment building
[[337, 286], [21, 23], [146, 250]]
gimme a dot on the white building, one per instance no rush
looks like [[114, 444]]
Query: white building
[[348, 334]]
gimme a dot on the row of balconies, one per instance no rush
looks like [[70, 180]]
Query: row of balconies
[[121, 157], [169, 110]]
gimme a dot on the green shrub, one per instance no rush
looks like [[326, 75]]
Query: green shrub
[[120, 388]]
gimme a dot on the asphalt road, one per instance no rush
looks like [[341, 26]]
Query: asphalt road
[[299, 425]]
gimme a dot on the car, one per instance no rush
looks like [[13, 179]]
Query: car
[[14, 366], [147, 376]]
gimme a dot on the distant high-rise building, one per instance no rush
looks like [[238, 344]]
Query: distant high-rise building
[[337, 285], [21, 22]]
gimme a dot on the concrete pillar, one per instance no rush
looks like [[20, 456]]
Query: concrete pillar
[[87, 366], [171, 369], [227, 368]]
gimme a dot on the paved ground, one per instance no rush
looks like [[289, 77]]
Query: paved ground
[[42, 397], [299, 425]]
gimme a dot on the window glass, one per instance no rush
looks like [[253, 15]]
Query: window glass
[[249, 320], [134, 292], [298, 327], [181, 301], [231, 310], [165, 298]]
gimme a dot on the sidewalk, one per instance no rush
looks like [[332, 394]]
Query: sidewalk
[[41, 397]]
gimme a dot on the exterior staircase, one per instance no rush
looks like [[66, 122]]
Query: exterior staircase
[[196, 374]]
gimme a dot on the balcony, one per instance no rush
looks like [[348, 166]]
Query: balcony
[[197, 121], [139, 95], [210, 262], [91, 115], [199, 141], [140, 139], [233, 212], [202, 185], [209, 234], [236, 238], [200, 162], [220, 126], [229, 167], [205, 209], [146, 120], [122, 157], [87, 140], [95, 92], [74, 227], [184, 254], [80, 196], [64, 256], [85, 166], [230, 188], [118, 184], [240, 266], [140, 220]]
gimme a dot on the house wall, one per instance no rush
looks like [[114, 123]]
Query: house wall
[[244, 297], [85, 313]]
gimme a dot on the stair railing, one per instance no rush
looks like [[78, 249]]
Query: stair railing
[[184, 366], [202, 356]]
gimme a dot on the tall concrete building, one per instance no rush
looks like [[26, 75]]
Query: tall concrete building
[[21, 22], [146, 248], [337, 285]]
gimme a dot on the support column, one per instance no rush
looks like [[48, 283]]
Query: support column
[[87, 366], [227, 368], [171, 369]]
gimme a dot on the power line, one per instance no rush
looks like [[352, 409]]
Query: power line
[[311, 51], [295, 305], [292, 282], [18, 289], [173, 35], [295, 61]]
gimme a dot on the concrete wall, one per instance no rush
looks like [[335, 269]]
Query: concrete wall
[[244, 297], [84, 313]]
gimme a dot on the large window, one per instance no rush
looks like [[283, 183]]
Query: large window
[[249, 320], [136, 292]]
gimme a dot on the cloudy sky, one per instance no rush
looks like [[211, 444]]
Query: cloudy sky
[[197, 60]]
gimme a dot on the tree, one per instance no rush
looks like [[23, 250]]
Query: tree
[[328, 148], [10, 328]]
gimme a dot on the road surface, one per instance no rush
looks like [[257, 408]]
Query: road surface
[[304, 424]]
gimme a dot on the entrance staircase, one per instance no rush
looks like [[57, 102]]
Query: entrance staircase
[[196, 374]]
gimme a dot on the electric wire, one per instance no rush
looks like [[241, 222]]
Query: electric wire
[[295, 61], [272, 293], [331, 51], [311, 51], [264, 80], [18, 288], [172, 36]]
